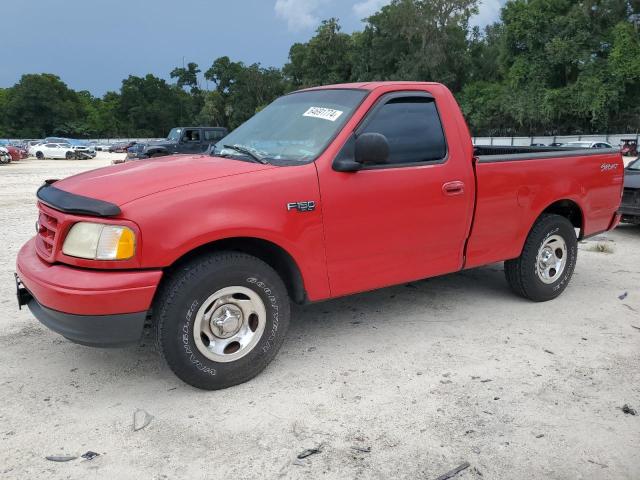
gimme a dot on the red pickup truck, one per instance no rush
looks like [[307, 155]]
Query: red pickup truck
[[326, 192]]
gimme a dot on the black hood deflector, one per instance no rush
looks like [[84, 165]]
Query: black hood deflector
[[71, 203]]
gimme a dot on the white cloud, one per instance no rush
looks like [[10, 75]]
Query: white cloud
[[489, 12], [367, 8], [299, 14]]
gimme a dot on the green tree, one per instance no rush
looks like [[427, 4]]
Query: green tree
[[325, 59], [564, 67], [108, 121], [38, 105], [187, 77], [150, 107], [241, 90], [416, 40], [212, 112], [4, 96]]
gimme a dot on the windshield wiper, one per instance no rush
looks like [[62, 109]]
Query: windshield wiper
[[247, 151]]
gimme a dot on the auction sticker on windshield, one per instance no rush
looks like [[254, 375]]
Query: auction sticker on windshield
[[323, 113]]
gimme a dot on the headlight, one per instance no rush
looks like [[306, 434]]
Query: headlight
[[98, 241]]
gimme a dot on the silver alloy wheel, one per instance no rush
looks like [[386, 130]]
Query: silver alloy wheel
[[552, 259], [229, 324]]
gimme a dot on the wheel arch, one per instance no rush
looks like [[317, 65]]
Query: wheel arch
[[272, 254], [156, 150], [568, 209]]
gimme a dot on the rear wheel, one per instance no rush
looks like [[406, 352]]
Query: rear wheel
[[221, 319], [69, 155], [39, 155], [547, 262]]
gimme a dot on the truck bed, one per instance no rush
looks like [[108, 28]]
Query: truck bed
[[515, 184]]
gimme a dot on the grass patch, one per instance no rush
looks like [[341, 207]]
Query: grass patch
[[601, 247]]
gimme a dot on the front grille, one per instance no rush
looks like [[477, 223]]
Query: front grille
[[631, 196], [47, 235]]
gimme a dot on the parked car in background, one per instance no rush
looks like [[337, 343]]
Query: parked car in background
[[587, 144], [132, 153], [121, 147], [183, 140], [5, 157], [82, 148], [556, 144], [629, 147], [54, 150], [23, 150], [84, 151], [630, 206], [102, 147], [15, 153], [538, 145], [33, 147]]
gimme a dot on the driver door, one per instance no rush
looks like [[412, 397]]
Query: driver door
[[405, 219], [191, 141], [49, 150]]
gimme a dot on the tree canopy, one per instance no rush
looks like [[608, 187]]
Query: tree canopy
[[546, 67]]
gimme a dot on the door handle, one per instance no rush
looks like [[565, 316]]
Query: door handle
[[453, 188]]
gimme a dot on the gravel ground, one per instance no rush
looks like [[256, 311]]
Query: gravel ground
[[427, 375]]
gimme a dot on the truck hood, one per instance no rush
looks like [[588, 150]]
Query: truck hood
[[161, 143], [120, 184]]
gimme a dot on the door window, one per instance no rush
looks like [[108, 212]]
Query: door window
[[412, 127], [213, 135], [191, 136]]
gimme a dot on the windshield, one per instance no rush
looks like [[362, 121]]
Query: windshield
[[635, 165], [175, 134], [296, 127]]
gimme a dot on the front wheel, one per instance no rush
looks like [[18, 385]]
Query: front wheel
[[547, 262], [39, 155], [221, 319]]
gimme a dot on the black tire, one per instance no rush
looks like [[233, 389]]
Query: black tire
[[522, 274], [69, 155], [157, 154], [184, 293], [39, 155]]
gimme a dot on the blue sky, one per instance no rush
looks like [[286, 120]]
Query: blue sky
[[94, 44]]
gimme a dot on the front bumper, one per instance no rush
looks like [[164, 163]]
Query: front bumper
[[91, 307], [91, 330]]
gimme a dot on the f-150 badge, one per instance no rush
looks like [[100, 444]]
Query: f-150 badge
[[308, 206]]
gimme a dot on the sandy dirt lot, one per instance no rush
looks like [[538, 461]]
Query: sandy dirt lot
[[427, 375]]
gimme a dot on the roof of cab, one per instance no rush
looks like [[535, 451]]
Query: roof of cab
[[368, 85]]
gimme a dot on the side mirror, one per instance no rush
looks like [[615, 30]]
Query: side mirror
[[372, 149], [367, 149]]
